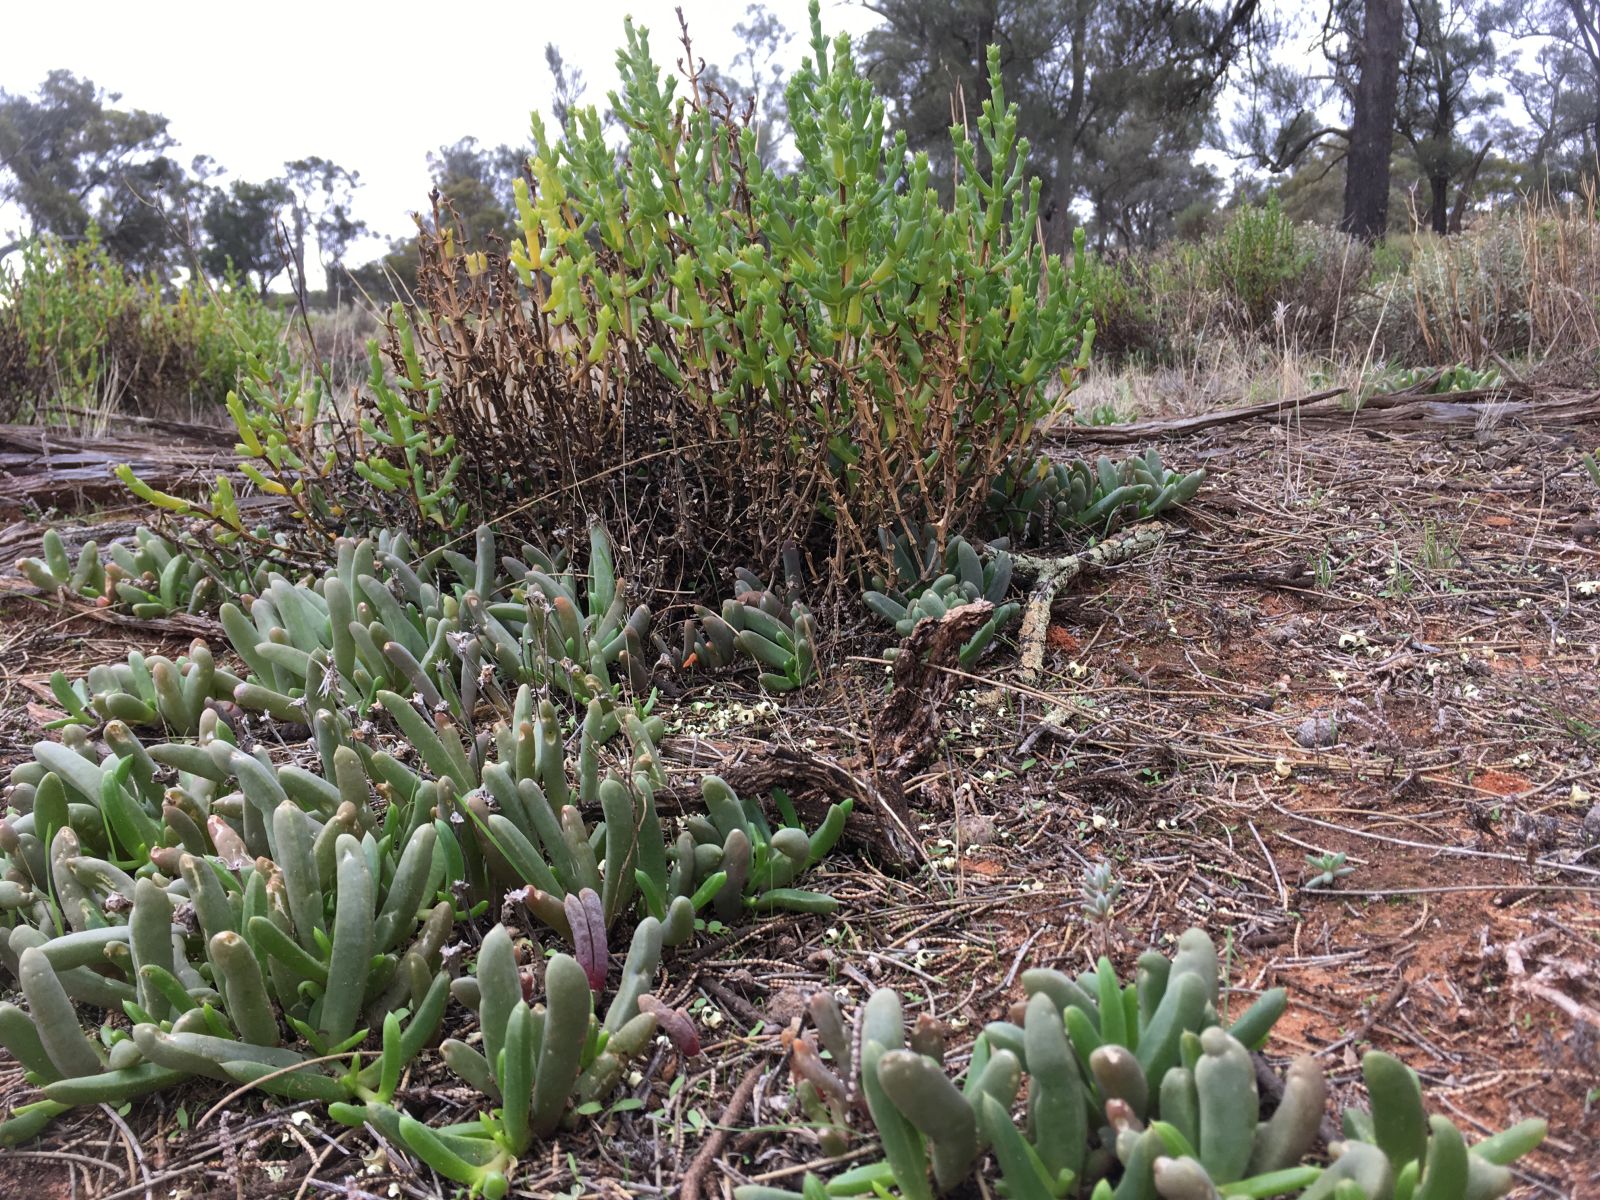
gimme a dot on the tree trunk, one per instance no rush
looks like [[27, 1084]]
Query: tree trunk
[[986, 24], [1464, 188], [1439, 204], [1060, 222], [1366, 182]]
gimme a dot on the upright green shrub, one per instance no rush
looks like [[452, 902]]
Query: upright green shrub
[[1256, 259], [686, 342], [1521, 282], [297, 442]]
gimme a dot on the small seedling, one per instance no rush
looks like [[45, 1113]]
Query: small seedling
[[1328, 868], [1100, 891]]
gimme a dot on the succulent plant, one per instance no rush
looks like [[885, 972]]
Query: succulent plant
[[57, 571], [1396, 1149], [415, 460], [1324, 869], [370, 623], [730, 859], [319, 916], [83, 828], [152, 578], [915, 564], [1168, 998], [538, 1064], [923, 1119], [530, 835], [1138, 1085], [219, 899], [1046, 499], [148, 691], [58, 1056], [769, 624], [116, 803], [569, 630], [927, 584], [1098, 893], [1397, 1144], [442, 629], [512, 815], [293, 445], [207, 960], [758, 863]]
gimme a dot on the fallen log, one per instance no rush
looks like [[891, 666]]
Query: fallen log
[[1164, 427], [44, 468], [1518, 400]]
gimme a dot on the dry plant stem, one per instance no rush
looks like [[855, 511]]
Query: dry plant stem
[[1516, 397], [1458, 851], [694, 1177]]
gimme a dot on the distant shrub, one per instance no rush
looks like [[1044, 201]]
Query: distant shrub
[[1256, 260], [1522, 283], [1260, 278], [1330, 286], [338, 338], [1296, 280], [1390, 257], [1127, 324], [80, 337]]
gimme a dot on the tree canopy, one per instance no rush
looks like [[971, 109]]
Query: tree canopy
[[71, 158]]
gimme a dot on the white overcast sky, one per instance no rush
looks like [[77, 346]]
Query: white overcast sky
[[373, 87]]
